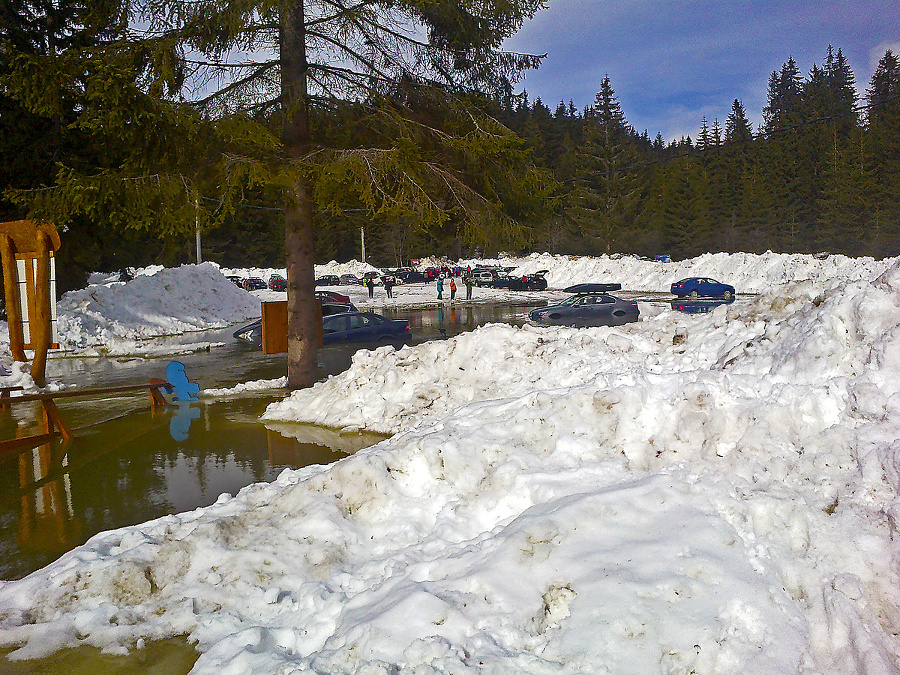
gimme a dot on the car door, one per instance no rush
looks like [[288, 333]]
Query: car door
[[334, 329], [362, 328], [600, 309], [585, 310]]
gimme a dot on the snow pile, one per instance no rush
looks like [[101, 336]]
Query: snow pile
[[747, 272], [333, 267], [708, 494], [112, 317]]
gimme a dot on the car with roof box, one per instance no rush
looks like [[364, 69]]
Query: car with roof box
[[591, 305]]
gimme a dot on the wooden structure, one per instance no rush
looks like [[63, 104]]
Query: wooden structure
[[53, 424], [275, 327], [29, 280]]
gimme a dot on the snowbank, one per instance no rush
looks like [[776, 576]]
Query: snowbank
[[112, 317], [706, 494], [747, 272], [333, 267]]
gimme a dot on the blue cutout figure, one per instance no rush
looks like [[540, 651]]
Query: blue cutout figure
[[178, 380], [180, 423]]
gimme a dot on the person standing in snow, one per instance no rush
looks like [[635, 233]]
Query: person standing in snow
[[440, 288], [452, 289], [389, 286], [469, 284], [371, 285]]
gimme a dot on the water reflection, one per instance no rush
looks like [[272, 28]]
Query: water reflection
[[699, 306], [130, 469], [448, 320]]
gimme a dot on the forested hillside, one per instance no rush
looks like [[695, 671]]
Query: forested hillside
[[821, 174]]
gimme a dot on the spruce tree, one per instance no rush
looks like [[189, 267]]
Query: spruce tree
[[265, 73], [883, 136], [609, 170]]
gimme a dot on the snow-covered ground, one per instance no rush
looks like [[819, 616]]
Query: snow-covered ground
[[686, 494]]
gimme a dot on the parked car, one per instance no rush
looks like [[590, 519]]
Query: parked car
[[528, 282], [374, 276], [363, 327], [483, 277], [332, 296], [694, 287], [252, 333], [254, 284], [277, 283], [237, 281], [350, 280], [409, 277], [591, 305], [328, 280]]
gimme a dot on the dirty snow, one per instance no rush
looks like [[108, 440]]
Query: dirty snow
[[706, 494]]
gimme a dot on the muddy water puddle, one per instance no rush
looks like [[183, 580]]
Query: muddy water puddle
[[164, 657], [137, 465]]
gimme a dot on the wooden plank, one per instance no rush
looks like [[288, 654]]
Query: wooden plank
[[11, 291], [74, 393], [28, 441]]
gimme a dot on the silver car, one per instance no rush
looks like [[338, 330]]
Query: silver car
[[591, 305]]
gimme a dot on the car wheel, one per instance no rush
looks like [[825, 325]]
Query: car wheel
[[727, 295], [694, 294]]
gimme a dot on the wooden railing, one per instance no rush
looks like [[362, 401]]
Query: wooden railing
[[54, 425]]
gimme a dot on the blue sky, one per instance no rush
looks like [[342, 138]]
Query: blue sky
[[672, 62]]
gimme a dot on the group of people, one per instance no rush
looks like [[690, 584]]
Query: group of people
[[468, 281], [388, 282], [388, 286]]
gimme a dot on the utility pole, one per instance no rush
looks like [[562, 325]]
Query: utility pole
[[197, 229], [362, 240]]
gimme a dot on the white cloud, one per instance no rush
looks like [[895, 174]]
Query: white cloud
[[876, 53]]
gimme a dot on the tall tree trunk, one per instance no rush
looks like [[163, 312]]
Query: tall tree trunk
[[298, 215]]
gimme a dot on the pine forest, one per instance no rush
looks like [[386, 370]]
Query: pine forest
[[821, 174]]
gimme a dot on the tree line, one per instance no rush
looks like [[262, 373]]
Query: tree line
[[819, 175]]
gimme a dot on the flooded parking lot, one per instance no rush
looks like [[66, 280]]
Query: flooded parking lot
[[129, 464]]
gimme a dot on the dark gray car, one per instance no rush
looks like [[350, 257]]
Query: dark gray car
[[591, 305]]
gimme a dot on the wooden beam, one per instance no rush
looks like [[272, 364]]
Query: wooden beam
[[11, 292]]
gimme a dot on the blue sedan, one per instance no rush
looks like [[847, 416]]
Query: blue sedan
[[695, 287], [363, 327]]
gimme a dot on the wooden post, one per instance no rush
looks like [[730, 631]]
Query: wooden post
[[11, 293], [31, 244], [40, 324]]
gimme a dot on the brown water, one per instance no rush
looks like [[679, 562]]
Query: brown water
[[165, 657], [130, 469]]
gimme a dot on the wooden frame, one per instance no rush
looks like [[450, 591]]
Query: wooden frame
[[31, 244]]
